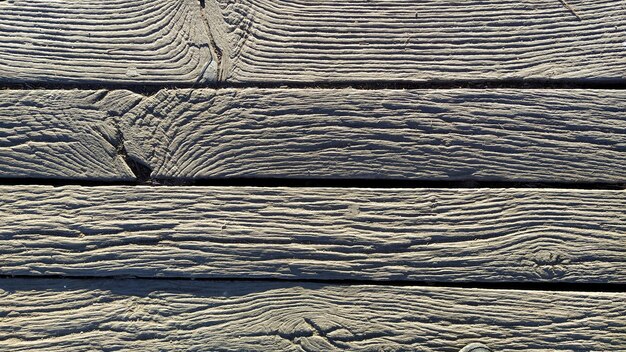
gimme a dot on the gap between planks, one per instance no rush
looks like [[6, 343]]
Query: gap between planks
[[151, 89], [315, 183], [493, 286]]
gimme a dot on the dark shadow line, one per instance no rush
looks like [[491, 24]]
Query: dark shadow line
[[524, 286], [59, 182], [152, 88], [383, 183], [614, 84], [316, 183]]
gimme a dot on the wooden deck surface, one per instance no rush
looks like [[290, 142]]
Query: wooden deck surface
[[312, 175]]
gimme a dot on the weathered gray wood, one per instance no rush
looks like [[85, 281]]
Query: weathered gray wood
[[121, 41], [146, 315], [389, 40], [294, 233], [501, 134], [62, 134]]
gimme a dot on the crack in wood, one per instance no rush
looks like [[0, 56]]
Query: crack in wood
[[571, 9], [216, 51], [141, 170]]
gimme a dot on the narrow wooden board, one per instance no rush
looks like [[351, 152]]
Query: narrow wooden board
[[321, 233], [87, 315], [62, 134], [82, 41], [457, 134], [390, 40]]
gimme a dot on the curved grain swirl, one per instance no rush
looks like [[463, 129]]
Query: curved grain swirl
[[113, 41]]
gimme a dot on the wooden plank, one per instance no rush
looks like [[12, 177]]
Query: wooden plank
[[457, 134], [485, 135], [390, 40], [62, 134], [466, 235], [81, 41], [88, 315]]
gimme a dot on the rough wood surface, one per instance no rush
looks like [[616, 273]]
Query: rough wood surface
[[458, 134], [390, 40], [119, 41], [147, 315], [329, 233], [501, 134], [61, 134]]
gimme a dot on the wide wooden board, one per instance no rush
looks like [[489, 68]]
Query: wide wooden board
[[117, 42], [407, 40], [440, 235], [147, 315], [457, 134], [62, 134], [485, 135]]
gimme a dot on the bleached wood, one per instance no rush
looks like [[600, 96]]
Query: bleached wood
[[457, 134], [62, 134], [111, 41], [497, 134], [391, 40], [321, 233], [146, 315]]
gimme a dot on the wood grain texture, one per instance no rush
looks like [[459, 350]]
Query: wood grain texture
[[457, 134], [321, 233], [147, 315], [486, 135], [62, 134], [113, 41], [390, 40]]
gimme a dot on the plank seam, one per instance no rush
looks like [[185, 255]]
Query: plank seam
[[500, 285], [141, 170], [151, 89]]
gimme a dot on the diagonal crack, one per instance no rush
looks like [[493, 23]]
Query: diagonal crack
[[571, 9], [320, 332], [141, 171], [218, 37]]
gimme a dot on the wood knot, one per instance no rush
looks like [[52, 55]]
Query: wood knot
[[353, 210], [547, 257], [550, 264]]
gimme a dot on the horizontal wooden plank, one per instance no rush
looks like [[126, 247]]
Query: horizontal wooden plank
[[389, 40], [321, 233], [457, 134], [82, 41], [62, 134], [87, 315], [484, 135]]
